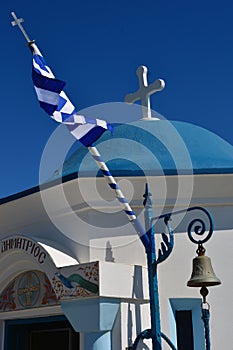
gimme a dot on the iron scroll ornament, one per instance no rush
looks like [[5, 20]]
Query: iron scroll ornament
[[196, 226], [146, 334]]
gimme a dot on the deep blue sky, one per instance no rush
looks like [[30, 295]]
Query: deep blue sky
[[96, 47]]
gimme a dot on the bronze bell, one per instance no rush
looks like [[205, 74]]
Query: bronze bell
[[203, 274]]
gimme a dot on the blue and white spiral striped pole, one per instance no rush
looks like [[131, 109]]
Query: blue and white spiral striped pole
[[119, 195], [101, 164]]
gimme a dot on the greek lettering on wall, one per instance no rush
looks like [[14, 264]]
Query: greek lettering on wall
[[22, 243]]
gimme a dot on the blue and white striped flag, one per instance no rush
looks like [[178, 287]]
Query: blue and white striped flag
[[55, 102]]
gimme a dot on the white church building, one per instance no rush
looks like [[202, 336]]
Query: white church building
[[73, 272]]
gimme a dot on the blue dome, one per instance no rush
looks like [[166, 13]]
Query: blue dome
[[154, 147]]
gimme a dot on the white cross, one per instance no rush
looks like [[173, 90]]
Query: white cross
[[17, 22], [144, 91]]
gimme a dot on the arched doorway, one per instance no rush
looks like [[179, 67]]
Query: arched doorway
[[40, 333]]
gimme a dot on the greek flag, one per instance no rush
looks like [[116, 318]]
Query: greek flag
[[56, 103]]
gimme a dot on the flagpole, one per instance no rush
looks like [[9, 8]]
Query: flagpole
[[119, 195], [103, 167]]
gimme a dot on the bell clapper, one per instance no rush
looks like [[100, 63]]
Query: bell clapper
[[204, 292]]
